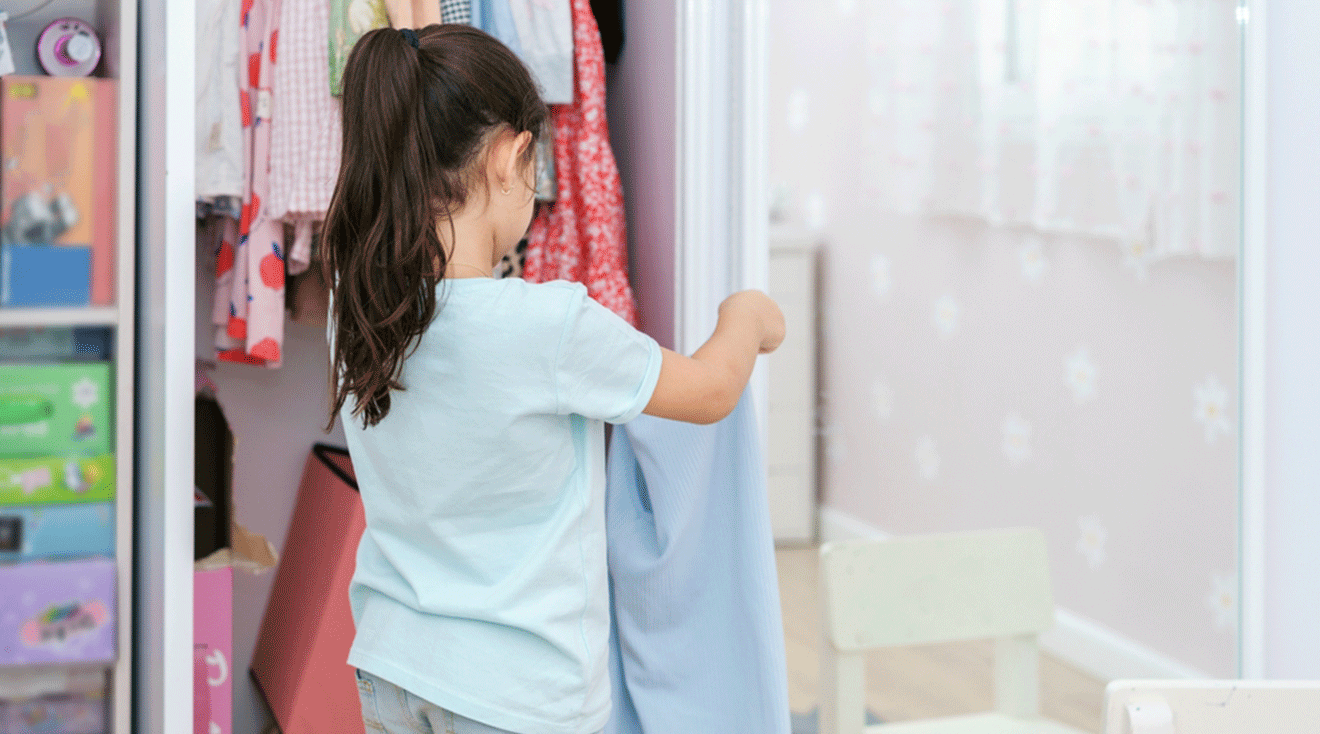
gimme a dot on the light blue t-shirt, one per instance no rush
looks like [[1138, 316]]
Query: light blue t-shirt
[[481, 578]]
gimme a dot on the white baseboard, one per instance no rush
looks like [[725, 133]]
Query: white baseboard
[[1076, 640]]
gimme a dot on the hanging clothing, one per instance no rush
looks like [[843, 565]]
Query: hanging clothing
[[456, 11], [250, 262], [545, 35], [697, 641], [349, 20], [609, 18], [219, 124], [581, 237], [495, 18], [305, 140]]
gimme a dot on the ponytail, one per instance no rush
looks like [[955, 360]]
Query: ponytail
[[417, 114]]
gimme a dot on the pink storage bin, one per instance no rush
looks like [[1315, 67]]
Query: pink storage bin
[[300, 663]]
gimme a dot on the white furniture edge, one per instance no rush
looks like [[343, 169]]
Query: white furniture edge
[[88, 316], [122, 693], [1252, 279], [1079, 641], [167, 271], [180, 303]]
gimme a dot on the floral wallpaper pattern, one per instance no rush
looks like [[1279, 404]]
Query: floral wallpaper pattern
[[1015, 331]]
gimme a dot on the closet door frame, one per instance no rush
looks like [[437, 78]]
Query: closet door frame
[[163, 624], [722, 232], [1252, 343]]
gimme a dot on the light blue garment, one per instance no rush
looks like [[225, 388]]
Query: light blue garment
[[496, 18], [480, 584], [697, 644]]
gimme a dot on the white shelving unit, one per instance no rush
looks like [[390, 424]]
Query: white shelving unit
[[117, 22], [38, 317]]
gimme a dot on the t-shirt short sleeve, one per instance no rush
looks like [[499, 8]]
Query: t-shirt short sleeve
[[605, 370]]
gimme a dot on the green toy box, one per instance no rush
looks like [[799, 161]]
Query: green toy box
[[56, 481], [56, 409]]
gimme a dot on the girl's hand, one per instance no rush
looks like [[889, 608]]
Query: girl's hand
[[706, 387], [765, 313]]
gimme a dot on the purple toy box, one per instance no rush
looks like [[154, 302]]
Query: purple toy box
[[54, 613]]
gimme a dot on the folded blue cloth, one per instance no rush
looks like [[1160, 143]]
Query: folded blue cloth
[[697, 641]]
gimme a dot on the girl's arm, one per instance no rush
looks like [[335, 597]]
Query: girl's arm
[[706, 387]]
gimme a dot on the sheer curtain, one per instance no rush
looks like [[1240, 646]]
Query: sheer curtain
[[1107, 118]]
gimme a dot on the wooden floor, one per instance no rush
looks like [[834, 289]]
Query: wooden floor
[[920, 682]]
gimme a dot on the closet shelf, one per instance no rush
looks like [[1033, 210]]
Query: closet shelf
[[87, 316]]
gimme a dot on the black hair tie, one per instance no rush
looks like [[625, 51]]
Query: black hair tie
[[410, 36]]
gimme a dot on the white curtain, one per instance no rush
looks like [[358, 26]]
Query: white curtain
[[1108, 118]]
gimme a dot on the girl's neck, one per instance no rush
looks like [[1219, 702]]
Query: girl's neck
[[469, 244]]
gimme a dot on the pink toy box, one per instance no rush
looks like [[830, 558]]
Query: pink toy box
[[213, 648], [301, 660], [56, 613], [57, 182]]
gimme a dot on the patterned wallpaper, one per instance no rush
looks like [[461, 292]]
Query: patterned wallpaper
[[987, 373]]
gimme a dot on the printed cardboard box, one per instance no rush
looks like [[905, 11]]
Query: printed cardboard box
[[69, 713], [51, 481], [34, 276], [56, 409], [52, 532], [58, 613], [57, 182]]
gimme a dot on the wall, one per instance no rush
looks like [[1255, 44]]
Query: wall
[[950, 401], [641, 103], [1292, 594]]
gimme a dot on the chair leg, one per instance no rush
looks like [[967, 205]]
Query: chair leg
[[842, 691], [1017, 676]]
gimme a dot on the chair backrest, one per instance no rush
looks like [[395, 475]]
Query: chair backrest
[[933, 589], [1211, 707]]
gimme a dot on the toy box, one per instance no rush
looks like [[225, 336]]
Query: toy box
[[56, 409], [56, 343], [57, 182], [45, 275], [56, 613], [51, 532], [29, 681], [300, 663], [54, 481], [69, 713], [213, 647]]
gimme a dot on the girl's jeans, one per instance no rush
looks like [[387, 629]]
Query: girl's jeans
[[388, 709]]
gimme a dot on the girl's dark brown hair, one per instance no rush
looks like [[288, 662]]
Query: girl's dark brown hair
[[416, 124]]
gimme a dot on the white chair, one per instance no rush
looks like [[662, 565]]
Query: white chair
[[1212, 707], [936, 589]]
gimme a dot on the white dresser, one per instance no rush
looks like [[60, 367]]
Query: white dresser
[[791, 420]]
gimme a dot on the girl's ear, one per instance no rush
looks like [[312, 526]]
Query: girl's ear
[[511, 162]]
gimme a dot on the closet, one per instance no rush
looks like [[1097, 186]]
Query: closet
[[695, 233], [68, 72]]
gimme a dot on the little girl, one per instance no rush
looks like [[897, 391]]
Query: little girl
[[474, 408]]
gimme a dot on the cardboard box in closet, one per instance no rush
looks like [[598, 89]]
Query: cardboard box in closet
[[227, 546], [301, 660]]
